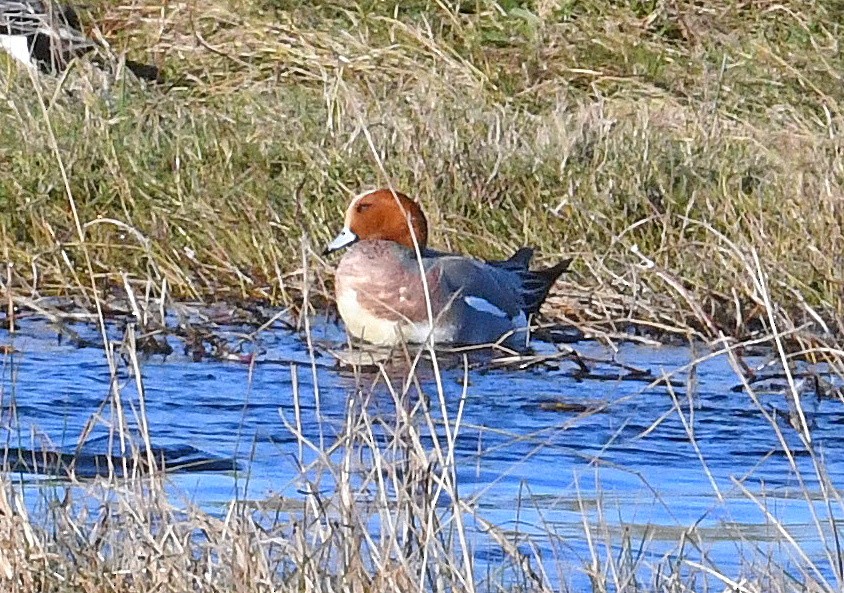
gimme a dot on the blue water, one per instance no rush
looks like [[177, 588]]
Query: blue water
[[626, 468]]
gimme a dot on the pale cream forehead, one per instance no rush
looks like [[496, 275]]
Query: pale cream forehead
[[353, 203], [348, 220], [362, 195]]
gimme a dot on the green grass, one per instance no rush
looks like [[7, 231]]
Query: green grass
[[698, 133]]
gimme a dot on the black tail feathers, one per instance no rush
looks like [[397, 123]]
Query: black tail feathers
[[537, 283], [522, 257]]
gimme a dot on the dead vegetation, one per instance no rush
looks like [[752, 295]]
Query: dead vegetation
[[664, 145], [687, 153]]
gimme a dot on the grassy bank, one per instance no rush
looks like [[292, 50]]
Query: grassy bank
[[674, 148]]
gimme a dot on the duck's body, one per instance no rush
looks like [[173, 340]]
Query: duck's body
[[384, 298], [49, 35], [41, 33]]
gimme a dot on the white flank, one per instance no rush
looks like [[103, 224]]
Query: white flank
[[384, 332], [362, 324], [17, 47], [484, 306]]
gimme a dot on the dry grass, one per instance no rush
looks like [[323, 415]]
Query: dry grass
[[661, 144], [689, 155]]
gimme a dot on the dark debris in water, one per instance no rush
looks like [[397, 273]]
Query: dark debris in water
[[573, 407], [558, 334], [809, 383], [234, 333], [86, 464], [154, 343]]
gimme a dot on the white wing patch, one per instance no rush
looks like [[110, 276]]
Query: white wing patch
[[484, 306]]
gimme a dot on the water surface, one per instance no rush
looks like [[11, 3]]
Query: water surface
[[541, 451]]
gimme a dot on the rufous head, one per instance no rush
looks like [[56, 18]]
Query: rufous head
[[382, 214]]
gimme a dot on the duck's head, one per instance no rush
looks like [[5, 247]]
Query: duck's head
[[382, 214]]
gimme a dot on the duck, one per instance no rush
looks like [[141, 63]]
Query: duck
[[384, 298], [48, 36]]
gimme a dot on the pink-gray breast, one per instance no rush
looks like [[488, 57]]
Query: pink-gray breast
[[387, 281]]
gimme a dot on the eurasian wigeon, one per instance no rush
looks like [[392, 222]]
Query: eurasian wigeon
[[48, 35], [381, 293]]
